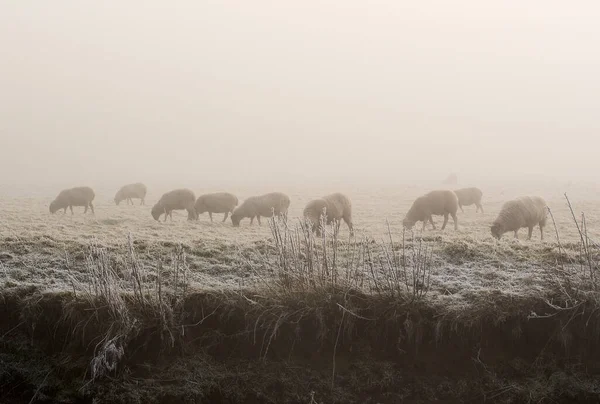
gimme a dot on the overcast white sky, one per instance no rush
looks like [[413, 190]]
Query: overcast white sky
[[234, 91]]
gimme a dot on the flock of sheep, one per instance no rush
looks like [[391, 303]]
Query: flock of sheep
[[525, 212]]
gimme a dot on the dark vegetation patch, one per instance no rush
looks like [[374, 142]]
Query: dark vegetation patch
[[336, 346]]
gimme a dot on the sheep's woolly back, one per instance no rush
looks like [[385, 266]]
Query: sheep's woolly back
[[137, 190], [337, 206], [469, 196], [525, 211], [218, 202], [439, 202], [263, 205], [78, 196], [175, 200]]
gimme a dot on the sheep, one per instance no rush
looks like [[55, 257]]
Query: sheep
[[440, 202], [78, 196], [177, 199], [469, 196], [263, 205], [335, 207], [526, 211], [220, 202], [130, 191]]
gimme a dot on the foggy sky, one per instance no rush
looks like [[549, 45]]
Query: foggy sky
[[224, 92]]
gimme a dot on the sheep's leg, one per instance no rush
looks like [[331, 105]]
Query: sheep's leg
[[445, 221], [65, 211], [424, 224], [431, 220], [461, 208], [530, 229], [542, 231], [71, 207], [455, 221], [516, 235], [480, 207], [251, 220], [210, 215], [258, 220], [225, 217], [142, 201], [92, 208]]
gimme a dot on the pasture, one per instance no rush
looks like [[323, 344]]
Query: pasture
[[35, 244], [458, 312]]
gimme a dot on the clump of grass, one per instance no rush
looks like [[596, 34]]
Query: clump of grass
[[574, 280], [306, 262], [128, 298]]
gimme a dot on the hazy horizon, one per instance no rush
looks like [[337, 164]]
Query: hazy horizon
[[280, 92]]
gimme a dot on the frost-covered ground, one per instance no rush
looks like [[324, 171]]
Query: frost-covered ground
[[50, 251]]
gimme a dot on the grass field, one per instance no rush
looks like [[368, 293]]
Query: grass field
[[34, 245], [468, 333]]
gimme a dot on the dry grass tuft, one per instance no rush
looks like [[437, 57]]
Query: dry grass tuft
[[325, 263], [130, 298]]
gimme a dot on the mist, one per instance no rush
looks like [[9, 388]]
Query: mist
[[329, 92]]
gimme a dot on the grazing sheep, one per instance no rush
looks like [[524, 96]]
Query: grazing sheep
[[78, 196], [469, 196], [263, 205], [220, 202], [441, 202], [130, 191], [335, 207], [177, 199], [526, 211]]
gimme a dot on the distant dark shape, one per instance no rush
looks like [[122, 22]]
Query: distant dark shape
[[452, 179], [131, 191], [526, 211], [469, 196], [219, 202], [336, 207], [78, 196], [177, 199], [264, 205], [440, 202]]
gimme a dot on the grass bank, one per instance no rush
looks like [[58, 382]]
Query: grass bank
[[337, 322]]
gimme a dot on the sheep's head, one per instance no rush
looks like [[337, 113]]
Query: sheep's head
[[316, 213], [497, 230], [54, 206], [192, 215], [408, 223], [118, 197], [236, 218], [157, 210]]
